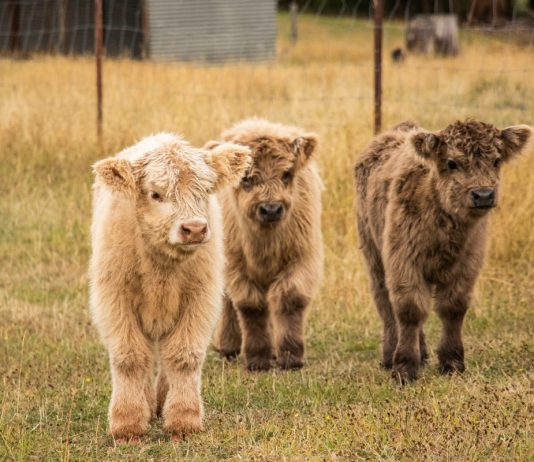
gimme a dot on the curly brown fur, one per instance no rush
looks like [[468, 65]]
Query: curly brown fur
[[274, 263], [422, 213]]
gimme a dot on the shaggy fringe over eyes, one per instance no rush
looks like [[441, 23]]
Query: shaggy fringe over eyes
[[471, 137], [177, 172], [477, 139]]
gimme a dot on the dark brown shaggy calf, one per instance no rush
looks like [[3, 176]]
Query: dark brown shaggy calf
[[422, 212], [273, 245]]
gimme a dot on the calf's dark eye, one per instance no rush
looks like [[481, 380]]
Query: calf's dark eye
[[247, 183], [286, 177], [497, 163], [156, 196], [452, 165]]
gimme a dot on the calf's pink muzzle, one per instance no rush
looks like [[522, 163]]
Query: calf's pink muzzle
[[194, 232]]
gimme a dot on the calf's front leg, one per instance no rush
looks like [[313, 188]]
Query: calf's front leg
[[179, 389], [410, 308], [257, 348], [451, 310], [288, 309], [182, 355], [250, 304], [288, 298], [132, 399]]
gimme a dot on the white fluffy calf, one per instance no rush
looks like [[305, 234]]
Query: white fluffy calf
[[157, 275]]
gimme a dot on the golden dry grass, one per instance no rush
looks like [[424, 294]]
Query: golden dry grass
[[54, 377]]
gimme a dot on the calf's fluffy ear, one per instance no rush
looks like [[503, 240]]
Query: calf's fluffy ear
[[515, 140], [116, 174], [212, 144], [304, 146], [426, 145], [230, 162]]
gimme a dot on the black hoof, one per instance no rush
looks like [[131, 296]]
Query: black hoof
[[258, 364], [451, 367], [405, 368], [229, 355], [288, 362]]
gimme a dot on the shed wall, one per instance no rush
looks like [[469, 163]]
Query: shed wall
[[212, 30]]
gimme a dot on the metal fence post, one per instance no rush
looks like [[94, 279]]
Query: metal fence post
[[378, 16], [62, 19], [145, 52], [293, 12], [98, 56], [14, 36]]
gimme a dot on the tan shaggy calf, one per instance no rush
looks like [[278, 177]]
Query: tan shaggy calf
[[273, 245], [157, 275], [422, 212]]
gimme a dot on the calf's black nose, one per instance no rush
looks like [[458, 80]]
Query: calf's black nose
[[483, 197], [271, 211]]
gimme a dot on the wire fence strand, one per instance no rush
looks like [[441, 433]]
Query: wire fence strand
[[324, 59]]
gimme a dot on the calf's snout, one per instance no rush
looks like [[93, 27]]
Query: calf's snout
[[194, 232], [483, 197], [269, 212]]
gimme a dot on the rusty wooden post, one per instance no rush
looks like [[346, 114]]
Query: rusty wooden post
[[378, 16], [293, 13], [98, 56]]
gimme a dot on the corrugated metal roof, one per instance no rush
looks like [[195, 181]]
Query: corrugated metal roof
[[212, 30]]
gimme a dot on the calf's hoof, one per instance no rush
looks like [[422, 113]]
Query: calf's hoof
[[180, 422], [451, 366], [387, 361], [228, 355], [403, 377], [131, 440], [288, 361], [451, 362], [128, 423], [405, 369], [258, 363]]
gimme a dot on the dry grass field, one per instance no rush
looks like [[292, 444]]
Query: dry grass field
[[54, 382]]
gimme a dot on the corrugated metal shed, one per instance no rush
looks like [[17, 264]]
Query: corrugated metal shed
[[212, 30], [67, 26], [202, 30]]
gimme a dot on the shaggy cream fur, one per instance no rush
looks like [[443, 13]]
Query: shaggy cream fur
[[155, 292]]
